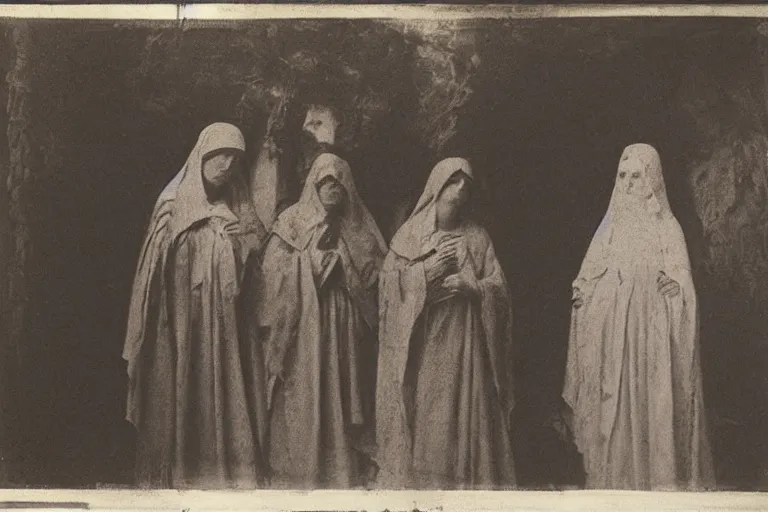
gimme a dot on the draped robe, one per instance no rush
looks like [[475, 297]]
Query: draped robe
[[196, 384], [633, 378], [444, 389], [321, 321]]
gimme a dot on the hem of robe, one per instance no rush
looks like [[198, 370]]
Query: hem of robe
[[582, 434], [425, 480]]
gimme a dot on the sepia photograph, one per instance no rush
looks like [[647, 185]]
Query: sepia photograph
[[457, 252]]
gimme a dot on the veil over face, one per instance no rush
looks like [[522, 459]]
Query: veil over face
[[640, 167], [633, 377], [626, 211]]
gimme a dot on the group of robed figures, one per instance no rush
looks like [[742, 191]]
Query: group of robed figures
[[306, 353]]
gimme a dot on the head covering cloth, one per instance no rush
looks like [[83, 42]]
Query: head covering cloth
[[182, 204], [671, 241], [187, 190], [650, 162], [410, 240], [358, 230]]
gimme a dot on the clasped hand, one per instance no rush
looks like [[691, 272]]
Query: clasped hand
[[667, 286], [244, 242], [577, 298], [444, 261], [442, 269], [459, 283]]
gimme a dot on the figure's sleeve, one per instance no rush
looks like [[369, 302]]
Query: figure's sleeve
[[280, 302], [147, 287], [580, 381], [682, 308], [402, 293], [401, 282], [677, 264], [683, 328], [496, 310], [148, 326], [361, 285], [595, 264], [581, 351]]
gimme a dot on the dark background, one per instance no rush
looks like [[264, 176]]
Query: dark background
[[553, 106]]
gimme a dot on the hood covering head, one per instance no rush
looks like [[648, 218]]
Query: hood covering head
[[644, 158], [187, 190], [358, 230], [651, 216], [422, 223]]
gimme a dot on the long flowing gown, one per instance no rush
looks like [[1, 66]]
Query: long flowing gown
[[320, 403], [196, 393], [444, 386], [321, 347], [633, 378]]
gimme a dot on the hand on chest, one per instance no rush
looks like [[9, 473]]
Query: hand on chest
[[452, 248]]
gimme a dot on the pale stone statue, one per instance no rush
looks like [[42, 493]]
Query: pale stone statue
[[321, 123], [444, 392], [633, 378], [196, 394], [320, 311]]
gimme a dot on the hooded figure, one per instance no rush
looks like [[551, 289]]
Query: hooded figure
[[321, 269], [633, 379], [196, 392], [444, 390]]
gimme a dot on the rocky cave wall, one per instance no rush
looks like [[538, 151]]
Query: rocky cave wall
[[17, 166], [722, 108]]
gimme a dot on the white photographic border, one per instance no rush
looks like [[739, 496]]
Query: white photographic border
[[373, 501]]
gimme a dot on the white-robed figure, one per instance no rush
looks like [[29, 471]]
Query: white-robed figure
[[633, 377], [320, 319], [196, 384], [444, 391]]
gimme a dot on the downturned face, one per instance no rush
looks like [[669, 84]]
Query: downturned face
[[332, 194], [219, 168], [455, 193]]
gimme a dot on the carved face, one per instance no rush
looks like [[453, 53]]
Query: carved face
[[455, 193], [219, 168], [321, 124], [631, 178], [331, 193]]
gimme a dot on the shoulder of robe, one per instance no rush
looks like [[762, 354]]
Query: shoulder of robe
[[673, 230], [159, 224], [276, 246], [287, 227], [402, 241], [163, 206], [675, 224]]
